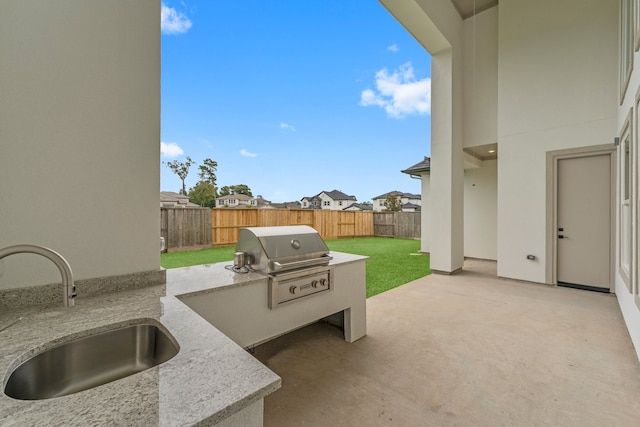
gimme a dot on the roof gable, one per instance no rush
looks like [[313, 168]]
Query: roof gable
[[399, 194], [338, 195]]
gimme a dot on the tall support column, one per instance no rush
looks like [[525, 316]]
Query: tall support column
[[447, 170]]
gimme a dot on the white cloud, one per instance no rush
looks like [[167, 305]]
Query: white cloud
[[245, 153], [172, 21], [285, 126], [393, 48], [400, 94], [170, 149]]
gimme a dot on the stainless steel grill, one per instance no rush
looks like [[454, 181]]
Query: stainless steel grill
[[294, 258]]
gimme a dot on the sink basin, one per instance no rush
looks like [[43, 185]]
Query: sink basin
[[91, 361]]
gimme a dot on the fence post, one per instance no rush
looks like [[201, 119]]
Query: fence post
[[185, 228]]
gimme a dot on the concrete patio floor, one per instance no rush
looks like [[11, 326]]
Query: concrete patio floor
[[464, 350]]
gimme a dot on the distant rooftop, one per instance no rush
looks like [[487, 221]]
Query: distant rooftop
[[419, 168], [398, 194]]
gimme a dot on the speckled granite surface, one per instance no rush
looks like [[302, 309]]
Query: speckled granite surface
[[209, 379], [215, 277], [52, 293]]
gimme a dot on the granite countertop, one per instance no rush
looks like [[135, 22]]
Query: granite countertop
[[214, 277], [209, 379]]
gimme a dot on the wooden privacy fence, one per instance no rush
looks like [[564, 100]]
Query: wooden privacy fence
[[330, 224], [197, 228], [405, 225], [185, 228]]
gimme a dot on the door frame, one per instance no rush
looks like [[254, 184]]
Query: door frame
[[553, 158]]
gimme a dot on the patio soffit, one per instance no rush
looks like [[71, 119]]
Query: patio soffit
[[468, 8], [483, 152]]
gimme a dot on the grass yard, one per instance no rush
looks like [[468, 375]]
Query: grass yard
[[199, 257], [393, 262]]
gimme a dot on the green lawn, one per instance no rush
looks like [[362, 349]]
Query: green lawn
[[202, 256], [393, 262]]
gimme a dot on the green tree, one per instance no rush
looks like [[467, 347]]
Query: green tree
[[393, 203], [203, 194], [208, 170], [228, 190], [181, 169], [242, 189]]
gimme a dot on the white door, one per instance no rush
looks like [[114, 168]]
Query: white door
[[584, 222]]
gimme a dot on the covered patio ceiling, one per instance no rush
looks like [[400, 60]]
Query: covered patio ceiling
[[468, 8]]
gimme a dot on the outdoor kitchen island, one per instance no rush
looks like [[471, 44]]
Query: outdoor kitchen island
[[211, 380], [237, 304]]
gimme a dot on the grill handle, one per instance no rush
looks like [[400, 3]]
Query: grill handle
[[324, 260]]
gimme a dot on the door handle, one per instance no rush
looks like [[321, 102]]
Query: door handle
[[563, 237]]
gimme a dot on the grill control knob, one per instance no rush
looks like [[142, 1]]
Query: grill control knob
[[314, 284], [323, 282], [293, 289]]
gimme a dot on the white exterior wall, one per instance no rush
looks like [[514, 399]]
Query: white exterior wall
[[324, 198], [378, 204], [480, 211], [557, 89], [480, 127], [630, 301], [425, 214], [79, 136], [336, 205], [232, 202], [480, 109]]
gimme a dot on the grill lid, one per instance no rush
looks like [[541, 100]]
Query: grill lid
[[273, 249]]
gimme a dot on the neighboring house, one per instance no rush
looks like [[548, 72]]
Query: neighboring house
[[242, 201], [313, 202], [411, 207], [331, 200], [410, 202], [260, 203], [546, 93], [287, 205], [169, 199], [234, 201], [358, 207], [416, 170]]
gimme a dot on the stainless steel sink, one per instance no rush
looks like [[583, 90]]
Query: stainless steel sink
[[91, 361]]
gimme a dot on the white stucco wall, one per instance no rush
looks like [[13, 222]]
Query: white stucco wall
[[425, 215], [480, 108], [79, 136], [480, 215], [557, 89], [480, 211]]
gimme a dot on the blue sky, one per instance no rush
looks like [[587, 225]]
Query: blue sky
[[293, 97]]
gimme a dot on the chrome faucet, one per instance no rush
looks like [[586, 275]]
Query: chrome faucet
[[68, 288]]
